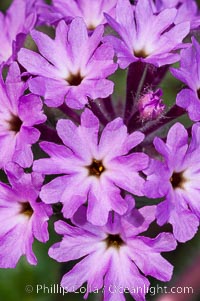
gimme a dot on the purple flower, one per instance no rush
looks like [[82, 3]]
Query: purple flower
[[92, 171], [91, 11], [189, 73], [39, 8], [177, 178], [18, 115], [151, 105], [72, 67], [14, 26], [46, 14], [113, 256], [145, 36], [22, 216], [187, 10]]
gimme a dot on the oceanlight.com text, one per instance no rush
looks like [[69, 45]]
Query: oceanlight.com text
[[113, 289]]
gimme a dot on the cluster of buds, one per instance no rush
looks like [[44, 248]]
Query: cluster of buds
[[151, 106]]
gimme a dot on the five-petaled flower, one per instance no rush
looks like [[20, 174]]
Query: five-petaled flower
[[92, 170], [145, 36], [22, 216], [189, 73], [72, 68], [113, 255], [17, 131], [177, 179]]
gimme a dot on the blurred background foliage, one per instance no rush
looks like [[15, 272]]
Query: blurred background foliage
[[15, 284]]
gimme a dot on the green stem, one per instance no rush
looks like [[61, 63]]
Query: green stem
[[130, 102], [141, 84]]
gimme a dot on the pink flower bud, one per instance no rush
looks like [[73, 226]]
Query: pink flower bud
[[151, 105]]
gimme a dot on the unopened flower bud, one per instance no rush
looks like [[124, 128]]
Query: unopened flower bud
[[151, 105]]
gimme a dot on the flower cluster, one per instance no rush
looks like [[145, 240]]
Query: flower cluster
[[60, 117]]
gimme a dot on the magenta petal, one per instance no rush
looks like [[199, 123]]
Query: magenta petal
[[185, 225], [7, 143], [150, 261], [75, 137], [187, 99], [51, 192], [123, 273], [14, 247], [62, 251], [31, 60], [49, 49], [34, 104], [115, 132], [139, 220], [162, 243], [81, 272], [52, 90], [40, 229], [24, 156], [98, 209]]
